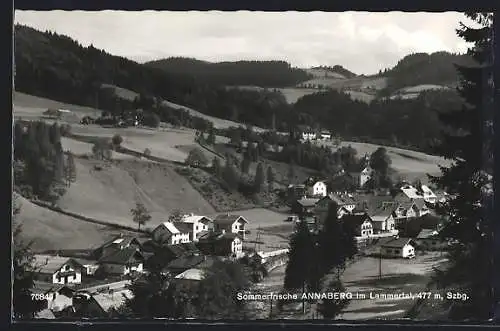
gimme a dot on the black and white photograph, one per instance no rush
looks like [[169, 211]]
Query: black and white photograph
[[252, 165]]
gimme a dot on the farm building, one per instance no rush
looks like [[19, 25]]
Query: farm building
[[122, 261], [296, 192], [190, 278], [398, 248], [428, 239], [184, 263], [117, 243], [222, 244], [362, 176], [57, 269], [231, 223], [169, 234]]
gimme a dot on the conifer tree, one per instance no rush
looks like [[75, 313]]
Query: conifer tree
[[468, 143], [260, 178], [271, 177]]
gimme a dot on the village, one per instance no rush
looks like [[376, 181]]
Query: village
[[94, 282]]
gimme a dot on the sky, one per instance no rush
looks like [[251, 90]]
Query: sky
[[362, 42]]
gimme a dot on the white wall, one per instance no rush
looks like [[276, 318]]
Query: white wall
[[59, 303], [77, 279], [366, 229], [320, 189], [408, 250]]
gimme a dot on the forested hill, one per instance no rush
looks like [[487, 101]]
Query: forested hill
[[255, 73], [423, 68], [57, 67]]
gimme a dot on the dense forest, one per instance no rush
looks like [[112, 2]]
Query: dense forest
[[254, 73], [57, 67], [423, 68]]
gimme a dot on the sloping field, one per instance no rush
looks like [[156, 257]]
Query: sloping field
[[361, 96], [162, 143], [322, 73], [293, 94], [80, 148], [26, 105], [51, 230], [409, 164], [109, 194]]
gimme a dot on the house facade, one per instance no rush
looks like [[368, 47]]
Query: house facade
[[122, 262], [222, 244], [58, 296], [57, 269], [198, 224], [230, 223], [167, 233], [304, 207], [398, 248], [365, 176], [360, 223], [318, 189]]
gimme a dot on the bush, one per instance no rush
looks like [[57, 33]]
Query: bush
[[151, 120], [117, 140], [147, 152], [196, 158]]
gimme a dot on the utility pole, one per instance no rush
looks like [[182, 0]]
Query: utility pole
[[380, 264]]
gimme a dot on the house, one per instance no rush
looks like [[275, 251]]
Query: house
[[230, 223], [109, 301], [383, 219], [398, 248], [308, 135], [57, 269], [360, 223], [190, 278], [420, 207], [58, 296], [197, 225], [167, 253], [89, 267], [184, 263], [117, 243], [122, 261], [222, 244], [318, 189], [168, 233], [428, 239], [324, 135], [343, 200], [304, 207], [362, 176]]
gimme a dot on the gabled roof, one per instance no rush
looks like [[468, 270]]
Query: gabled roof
[[384, 211], [170, 227], [341, 199], [398, 243], [49, 264], [308, 202], [186, 262], [419, 203], [219, 236], [355, 219], [85, 262], [121, 256], [183, 227], [109, 301], [195, 219], [43, 287], [121, 240], [228, 219]]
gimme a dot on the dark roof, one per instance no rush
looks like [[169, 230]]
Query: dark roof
[[121, 256], [85, 261], [126, 240], [419, 203], [190, 248], [341, 199], [49, 264], [398, 243], [228, 219], [307, 202], [183, 227], [42, 287], [355, 219], [219, 236], [186, 262], [384, 211], [203, 234]]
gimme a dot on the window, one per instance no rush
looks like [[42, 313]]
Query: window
[[396, 251]]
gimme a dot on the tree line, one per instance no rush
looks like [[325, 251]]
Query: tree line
[[41, 168], [244, 73]]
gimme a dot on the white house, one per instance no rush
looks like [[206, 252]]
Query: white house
[[383, 219], [398, 248], [429, 196], [169, 234], [58, 296], [360, 223], [318, 189], [308, 136], [197, 225], [89, 267], [231, 223], [424, 193], [57, 269]]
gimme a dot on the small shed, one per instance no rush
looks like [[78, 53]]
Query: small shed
[[398, 248]]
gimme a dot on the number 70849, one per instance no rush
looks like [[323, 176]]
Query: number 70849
[[40, 296]]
